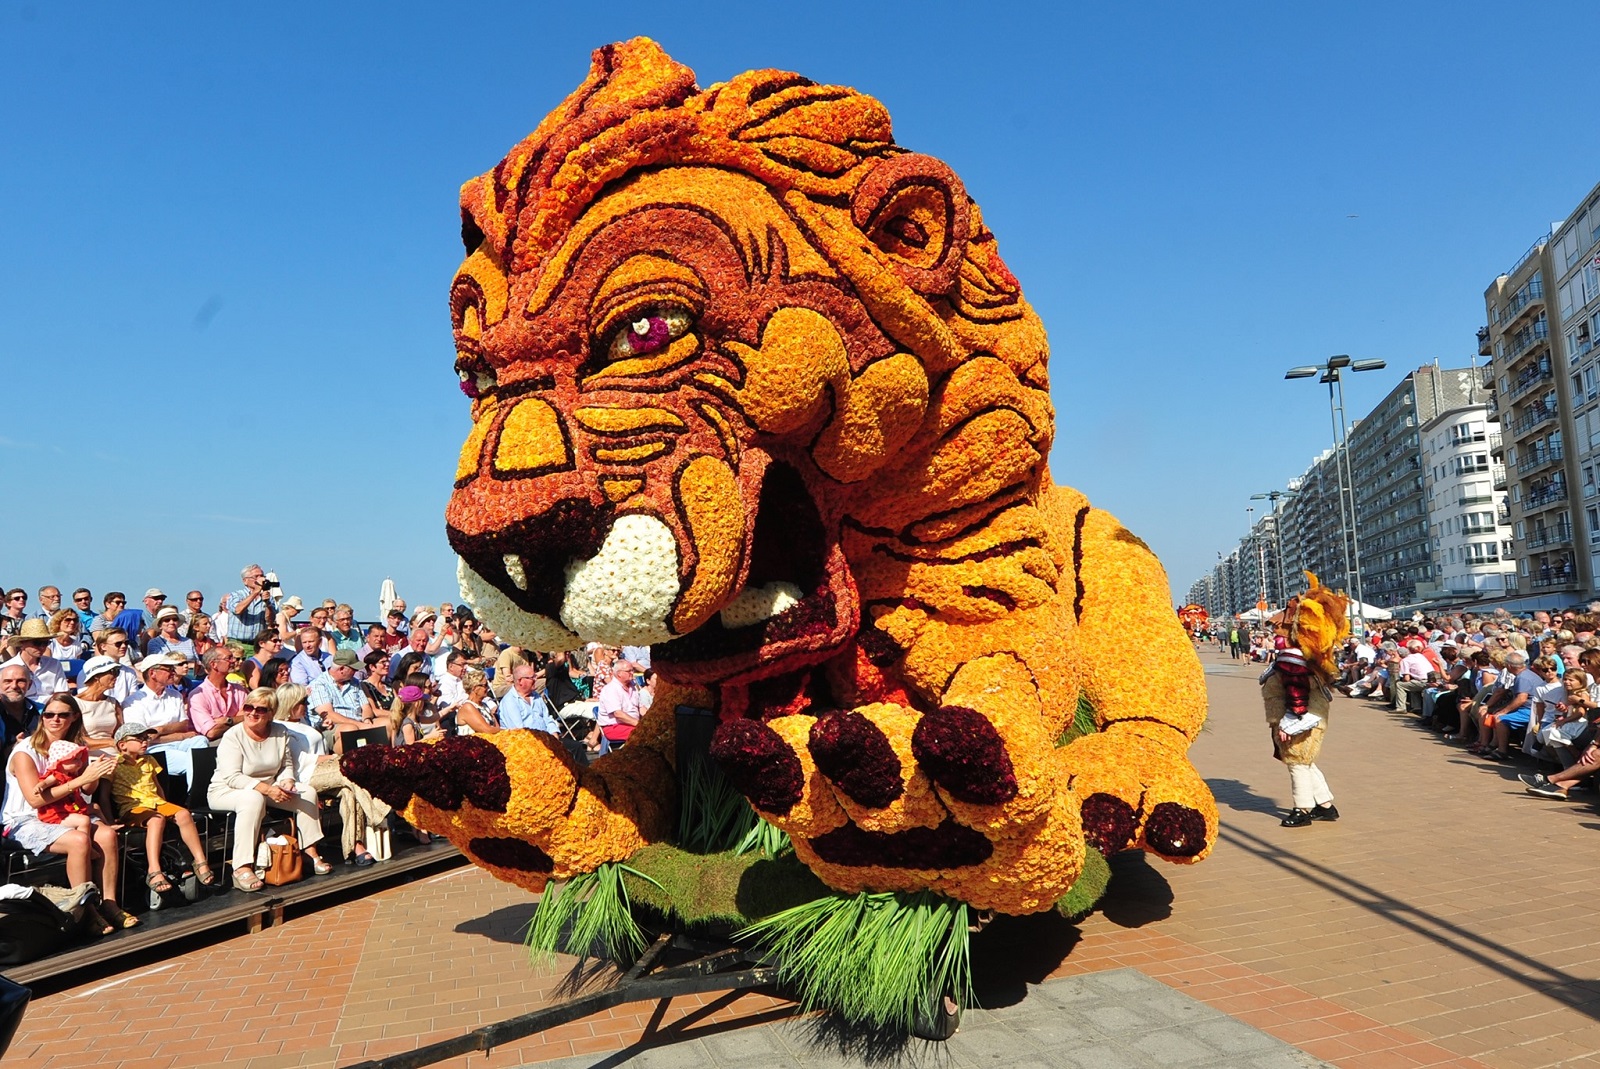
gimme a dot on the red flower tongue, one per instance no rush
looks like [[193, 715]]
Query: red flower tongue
[[654, 336]]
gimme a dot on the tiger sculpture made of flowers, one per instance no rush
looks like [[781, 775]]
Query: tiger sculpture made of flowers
[[751, 384]]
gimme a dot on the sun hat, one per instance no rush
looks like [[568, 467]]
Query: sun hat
[[292, 604], [32, 630], [166, 612], [97, 665], [161, 660], [422, 616]]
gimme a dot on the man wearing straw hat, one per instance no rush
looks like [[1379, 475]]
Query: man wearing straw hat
[[27, 648]]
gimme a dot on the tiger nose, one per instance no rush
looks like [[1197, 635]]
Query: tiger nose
[[531, 441]]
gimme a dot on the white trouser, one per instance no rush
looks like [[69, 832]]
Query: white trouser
[[1307, 786], [251, 807]]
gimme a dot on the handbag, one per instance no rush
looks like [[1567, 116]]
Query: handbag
[[286, 864]]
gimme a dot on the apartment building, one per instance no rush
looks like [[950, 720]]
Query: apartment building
[[1534, 397], [1575, 262], [1464, 483], [1309, 519], [1387, 473]]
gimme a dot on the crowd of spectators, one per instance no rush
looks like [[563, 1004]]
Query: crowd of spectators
[[1503, 687], [98, 705]]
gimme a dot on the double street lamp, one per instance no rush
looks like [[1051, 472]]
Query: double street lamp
[[1350, 541]]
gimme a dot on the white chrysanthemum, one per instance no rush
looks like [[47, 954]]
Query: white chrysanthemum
[[510, 623], [757, 603], [624, 594]]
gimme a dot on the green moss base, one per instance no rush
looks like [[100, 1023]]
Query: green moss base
[[726, 888], [1091, 886]]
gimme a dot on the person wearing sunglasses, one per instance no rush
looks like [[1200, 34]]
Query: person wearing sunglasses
[[112, 606], [113, 643], [83, 605], [92, 855]]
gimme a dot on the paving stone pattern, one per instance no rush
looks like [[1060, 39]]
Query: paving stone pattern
[[1121, 1019]]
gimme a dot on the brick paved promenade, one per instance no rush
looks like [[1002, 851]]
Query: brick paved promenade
[[1446, 920]]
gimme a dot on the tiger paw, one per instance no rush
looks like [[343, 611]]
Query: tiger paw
[[516, 803], [1138, 791]]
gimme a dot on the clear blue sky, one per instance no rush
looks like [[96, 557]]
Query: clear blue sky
[[226, 236]]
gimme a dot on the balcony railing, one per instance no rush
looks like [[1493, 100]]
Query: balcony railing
[[1554, 579], [1541, 373], [1531, 419], [1484, 348], [1525, 339], [1559, 535], [1533, 459], [1538, 499]]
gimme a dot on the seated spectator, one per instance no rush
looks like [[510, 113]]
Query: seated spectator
[[344, 634], [268, 646], [274, 674], [159, 705], [469, 641], [1509, 709], [49, 603], [311, 661], [194, 604], [139, 800], [101, 715], [83, 605], [200, 635], [1556, 786], [92, 856], [560, 687], [27, 648], [1412, 678], [216, 704], [376, 663], [525, 704], [619, 709], [338, 703], [475, 714], [374, 642], [409, 703], [452, 692], [67, 643], [1491, 679], [19, 715], [504, 665], [167, 638], [113, 643], [394, 629], [359, 812], [111, 607], [415, 649], [255, 770]]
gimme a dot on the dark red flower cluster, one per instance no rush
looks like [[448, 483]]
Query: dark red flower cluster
[[759, 764], [962, 752], [1108, 822], [852, 752], [387, 772], [463, 767], [1175, 830], [516, 854], [950, 845]]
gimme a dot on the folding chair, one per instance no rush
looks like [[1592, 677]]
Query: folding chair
[[202, 768]]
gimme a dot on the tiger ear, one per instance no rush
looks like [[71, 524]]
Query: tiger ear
[[915, 210]]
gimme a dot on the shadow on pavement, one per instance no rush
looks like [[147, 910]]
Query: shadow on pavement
[[508, 924], [1237, 795]]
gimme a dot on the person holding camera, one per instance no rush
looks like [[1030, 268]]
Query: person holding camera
[[250, 609]]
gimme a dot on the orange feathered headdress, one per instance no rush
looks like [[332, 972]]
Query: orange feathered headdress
[[1318, 622]]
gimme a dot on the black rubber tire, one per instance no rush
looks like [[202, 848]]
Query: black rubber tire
[[938, 1020]]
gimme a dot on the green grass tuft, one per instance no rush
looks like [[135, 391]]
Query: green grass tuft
[[1086, 893], [764, 838], [1083, 722], [712, 816], [589, 910], [878, 959]]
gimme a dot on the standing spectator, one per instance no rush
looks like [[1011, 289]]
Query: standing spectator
[[110, 608], [311, 661], [89, 854], [18, 714], [399, 606], [345, 634], [559, 685], [248, 608], [167, 638], [158, 704], [49, 602], [67, 643], [27, 648], [394, 629], [216, 704], [256, 769], [83, 605], [194, 604], [16, 610]]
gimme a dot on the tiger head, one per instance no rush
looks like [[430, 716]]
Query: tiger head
[[698, 330]]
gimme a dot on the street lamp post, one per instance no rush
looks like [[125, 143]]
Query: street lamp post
[[1273, 496], [1349, 536]]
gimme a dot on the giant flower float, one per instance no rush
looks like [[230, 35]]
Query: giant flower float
[[750, 383]]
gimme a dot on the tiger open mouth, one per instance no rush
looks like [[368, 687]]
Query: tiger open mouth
[[613, 579]]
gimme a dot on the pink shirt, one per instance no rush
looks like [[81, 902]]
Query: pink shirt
[[208, 705], [614, 698], [1415, 666]]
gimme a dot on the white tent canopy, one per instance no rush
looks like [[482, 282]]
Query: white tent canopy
[[1368, 612]]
